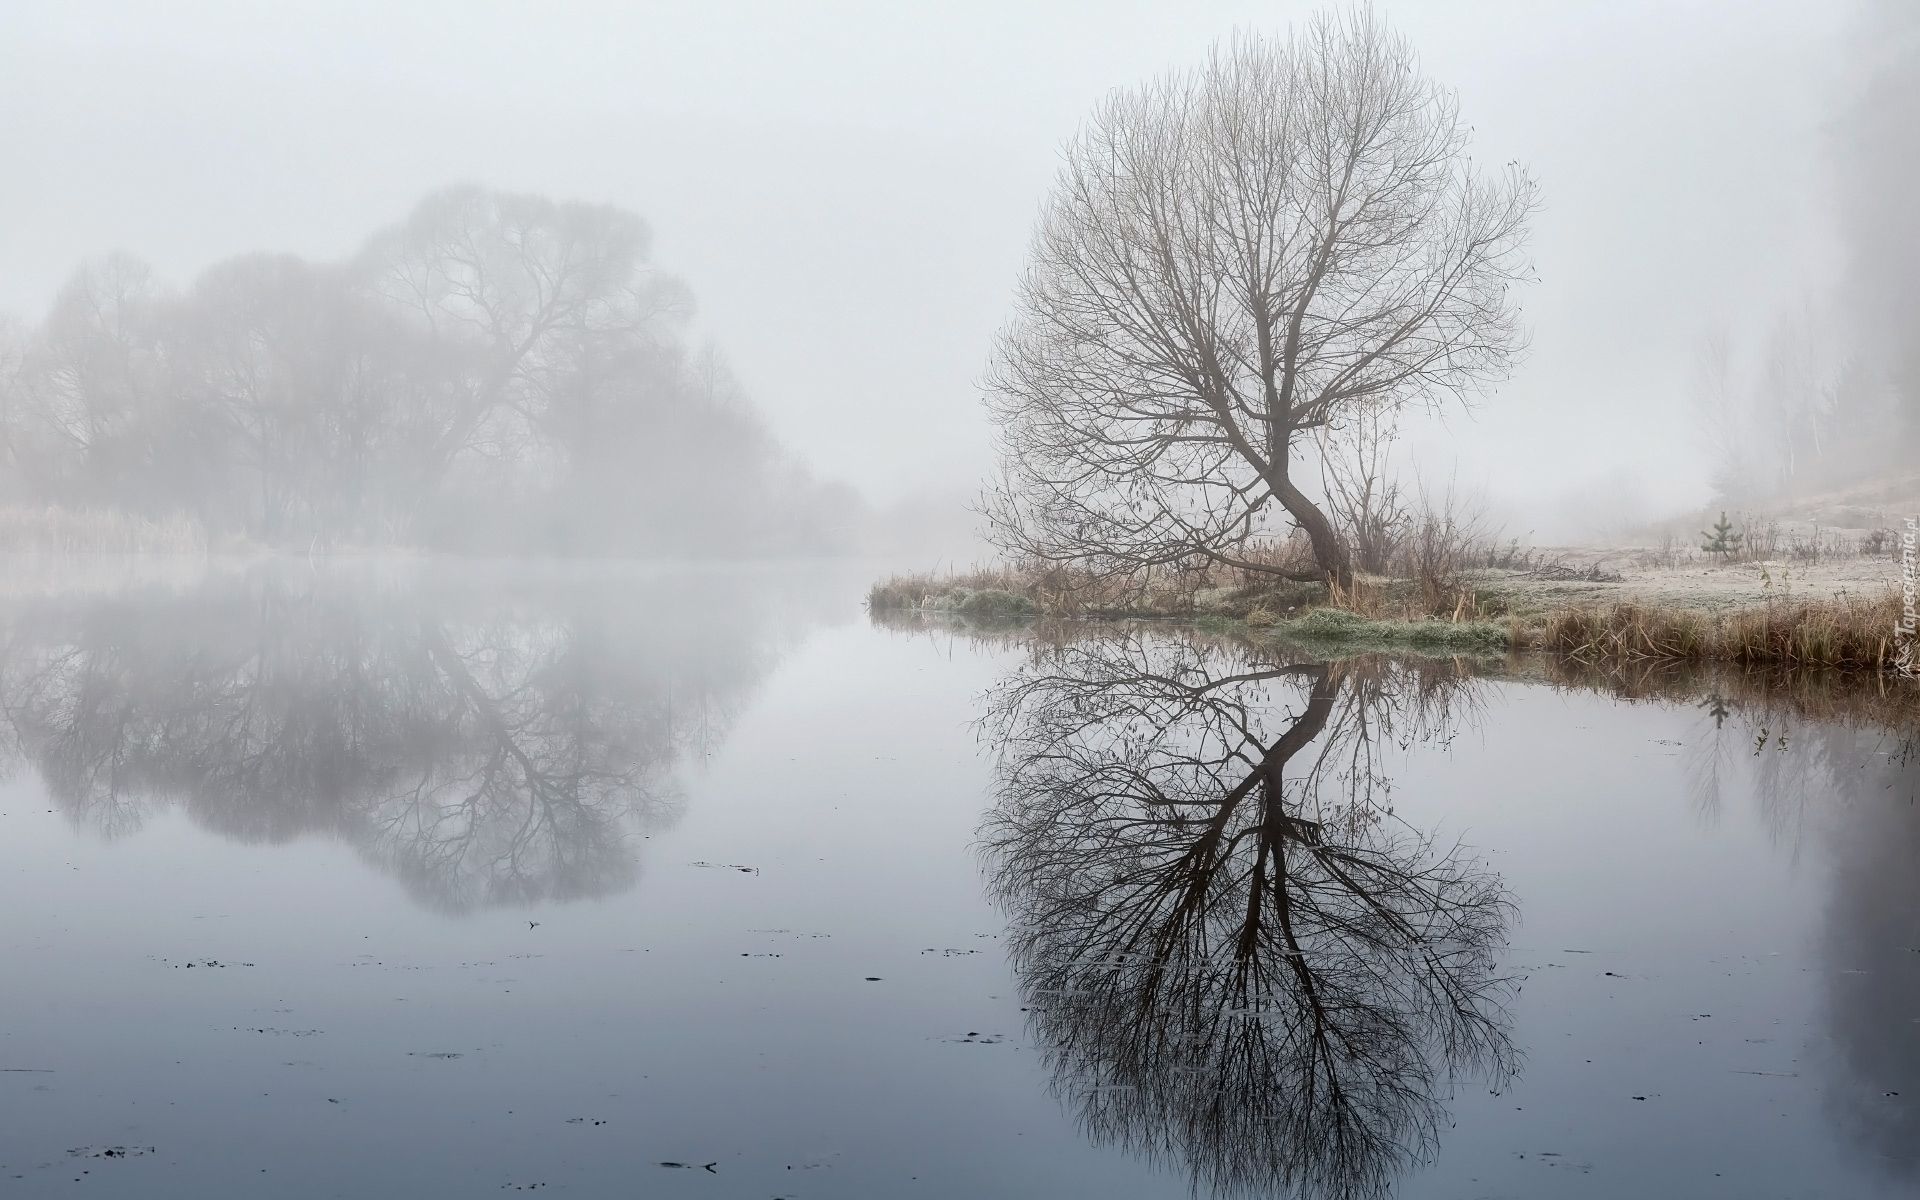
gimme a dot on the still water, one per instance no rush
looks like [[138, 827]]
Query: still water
[[611, 881]]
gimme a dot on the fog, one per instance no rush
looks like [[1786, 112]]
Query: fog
[[842, 195], [496, 373], [1878, 154]]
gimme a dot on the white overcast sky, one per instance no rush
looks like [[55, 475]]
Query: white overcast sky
[[848, 187]]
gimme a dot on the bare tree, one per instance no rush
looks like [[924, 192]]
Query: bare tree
[[1232, 257], [532, 292], [13, 355], [302, 384], [86, 381]]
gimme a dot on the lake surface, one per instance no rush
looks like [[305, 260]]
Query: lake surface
[[618, 881]]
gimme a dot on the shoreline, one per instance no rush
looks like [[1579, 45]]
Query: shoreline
[[1748, 614]]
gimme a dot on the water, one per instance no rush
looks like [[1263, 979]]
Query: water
[[447, 882]]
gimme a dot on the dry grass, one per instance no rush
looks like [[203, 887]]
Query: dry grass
[[1846, 632], [26, 530], [929, 590], [1054, 590], [1766, 540], [1437, 586]]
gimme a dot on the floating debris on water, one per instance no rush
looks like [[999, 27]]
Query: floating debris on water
[[110, 1151], [281, 1032]]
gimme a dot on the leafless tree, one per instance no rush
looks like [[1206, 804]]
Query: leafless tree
[[308, 392], [1236, 958], [1233, 257], [532, 293], [86, 381]]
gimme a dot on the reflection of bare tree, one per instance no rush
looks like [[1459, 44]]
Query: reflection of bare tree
[[1238, 959], [501, 754]]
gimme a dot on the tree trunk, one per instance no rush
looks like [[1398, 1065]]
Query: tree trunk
[[1329, 552]]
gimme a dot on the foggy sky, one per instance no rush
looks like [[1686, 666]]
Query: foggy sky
[[848, 187]]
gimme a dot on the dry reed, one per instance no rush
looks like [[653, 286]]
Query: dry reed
[[1846, 632], [63, 531]]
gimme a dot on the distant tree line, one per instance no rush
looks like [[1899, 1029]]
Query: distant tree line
[[499, 373], [1827, 393]]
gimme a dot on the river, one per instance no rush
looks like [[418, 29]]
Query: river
[[452, 880]]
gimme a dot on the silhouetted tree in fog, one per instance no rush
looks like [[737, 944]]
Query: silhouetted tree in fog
[[498, 372], [90, 391]]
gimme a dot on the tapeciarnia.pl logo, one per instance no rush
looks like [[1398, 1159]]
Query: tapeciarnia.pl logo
[[1903, 635]]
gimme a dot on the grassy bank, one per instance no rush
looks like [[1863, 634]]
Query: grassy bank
[[1055, 592], [1848, 632], [1334, 627]]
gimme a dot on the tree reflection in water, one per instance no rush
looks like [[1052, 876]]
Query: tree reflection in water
[[485, 749], [1240, 961]]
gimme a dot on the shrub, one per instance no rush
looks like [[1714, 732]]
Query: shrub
[[990, 604], [1331, 623]]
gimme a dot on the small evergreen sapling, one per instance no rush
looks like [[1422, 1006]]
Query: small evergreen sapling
[[1723, 540]]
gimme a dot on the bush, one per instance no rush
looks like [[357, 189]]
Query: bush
[[1331, 623], [991, 604]]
